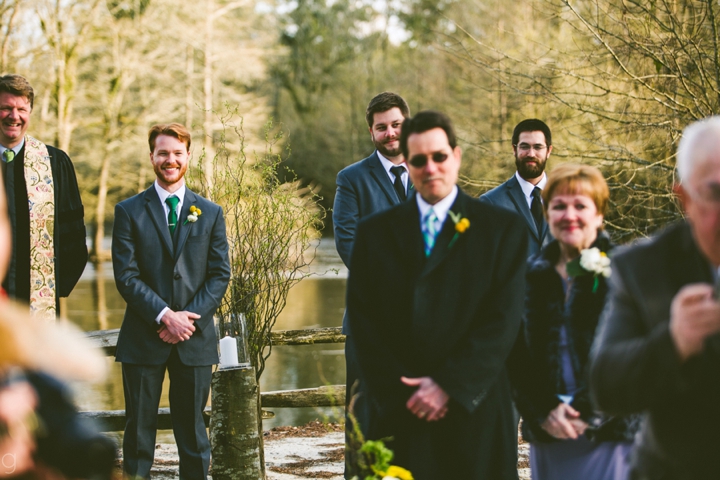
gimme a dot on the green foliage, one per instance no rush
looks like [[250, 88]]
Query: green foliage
[[270, 229]]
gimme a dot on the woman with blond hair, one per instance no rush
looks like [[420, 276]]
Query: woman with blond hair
[[566, 292]]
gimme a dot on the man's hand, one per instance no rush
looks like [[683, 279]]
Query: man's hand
[[429, 402], [694, 315], [564, 423], [177, 326]]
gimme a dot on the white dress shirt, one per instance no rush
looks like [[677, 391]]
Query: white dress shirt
[[15, 149], [440, 208], [387, 165], [528, 187], [164, 194]]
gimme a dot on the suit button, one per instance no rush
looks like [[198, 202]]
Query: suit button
[[176, 308], [177, 276]]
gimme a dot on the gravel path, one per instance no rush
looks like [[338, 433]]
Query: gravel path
[[315, 450]]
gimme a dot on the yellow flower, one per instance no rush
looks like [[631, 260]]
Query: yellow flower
[[198, 211], [400, 473], [193, 209], [462, 225]]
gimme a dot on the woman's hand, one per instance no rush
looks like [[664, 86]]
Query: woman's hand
[[564, 423]]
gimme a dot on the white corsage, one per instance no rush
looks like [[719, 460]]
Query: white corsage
[[592, 261], [595, 261]]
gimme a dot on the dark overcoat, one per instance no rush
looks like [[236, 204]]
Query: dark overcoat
[[454, 317]]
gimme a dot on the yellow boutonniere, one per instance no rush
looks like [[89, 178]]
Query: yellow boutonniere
[[461, 225], [398, 473], [194, 214]]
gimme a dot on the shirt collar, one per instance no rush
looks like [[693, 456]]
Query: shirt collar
[[387, 164], [164, 194], [440, 208], [528, 187], [15, 149]]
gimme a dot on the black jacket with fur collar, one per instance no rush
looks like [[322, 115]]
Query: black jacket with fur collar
[[538, 355]]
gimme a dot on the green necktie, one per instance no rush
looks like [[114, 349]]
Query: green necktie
[[8, 155], [172, 202]]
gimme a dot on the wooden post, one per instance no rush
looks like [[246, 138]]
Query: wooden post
[[234, 431]]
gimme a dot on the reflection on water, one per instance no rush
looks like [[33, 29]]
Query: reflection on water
[[317, 301]]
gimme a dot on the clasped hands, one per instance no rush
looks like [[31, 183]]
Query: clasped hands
[[429, 402], [564, 423], [177, 326]]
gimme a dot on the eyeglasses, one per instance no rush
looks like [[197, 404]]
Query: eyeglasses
[[419, 161], [526, 147]]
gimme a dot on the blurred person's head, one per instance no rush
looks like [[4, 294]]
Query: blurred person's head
[[575, 199], [698, 168], [430, 148]]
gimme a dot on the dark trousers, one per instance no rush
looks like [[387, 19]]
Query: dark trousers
[[189, 391]]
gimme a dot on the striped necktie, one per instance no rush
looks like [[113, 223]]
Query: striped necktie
[[429, 231]]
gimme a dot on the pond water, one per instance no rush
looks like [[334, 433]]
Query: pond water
[[316, 301]]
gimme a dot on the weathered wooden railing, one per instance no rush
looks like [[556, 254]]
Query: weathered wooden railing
[[326, 396]]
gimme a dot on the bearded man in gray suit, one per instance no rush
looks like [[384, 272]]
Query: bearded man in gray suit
[[532, 145], [371, 185], [170, 259]]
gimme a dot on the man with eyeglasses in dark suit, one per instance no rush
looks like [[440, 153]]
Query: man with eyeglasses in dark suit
[[532, 144]]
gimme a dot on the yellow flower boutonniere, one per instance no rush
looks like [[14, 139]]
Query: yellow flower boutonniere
[[461, 225], [194, 214]]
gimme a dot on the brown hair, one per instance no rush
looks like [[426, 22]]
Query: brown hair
[[17, 85], [568, 178], [171, 129], [382, 102]]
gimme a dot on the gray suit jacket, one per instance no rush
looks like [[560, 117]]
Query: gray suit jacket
[[363, 188], [150, 274], [509, 195], [635, 367]]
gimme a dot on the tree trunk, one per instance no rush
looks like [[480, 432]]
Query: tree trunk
[[234, 432]]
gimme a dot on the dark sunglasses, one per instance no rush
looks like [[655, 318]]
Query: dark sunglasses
[[419, 161]]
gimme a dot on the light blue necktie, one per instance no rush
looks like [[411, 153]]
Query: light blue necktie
[[428, 230]]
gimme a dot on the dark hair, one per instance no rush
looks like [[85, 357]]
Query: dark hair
[[532, 125], [424, 121], [17, 85], [171, 129], [382, 102]]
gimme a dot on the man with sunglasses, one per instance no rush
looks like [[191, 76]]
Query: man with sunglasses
[[532, 144], [434, 302]]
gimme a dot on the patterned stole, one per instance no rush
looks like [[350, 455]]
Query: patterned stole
[[41, 202]]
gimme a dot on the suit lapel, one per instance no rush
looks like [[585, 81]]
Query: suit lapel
[[380, 176], [157, 215], [408, 236], [184, 226], [514, 191]]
